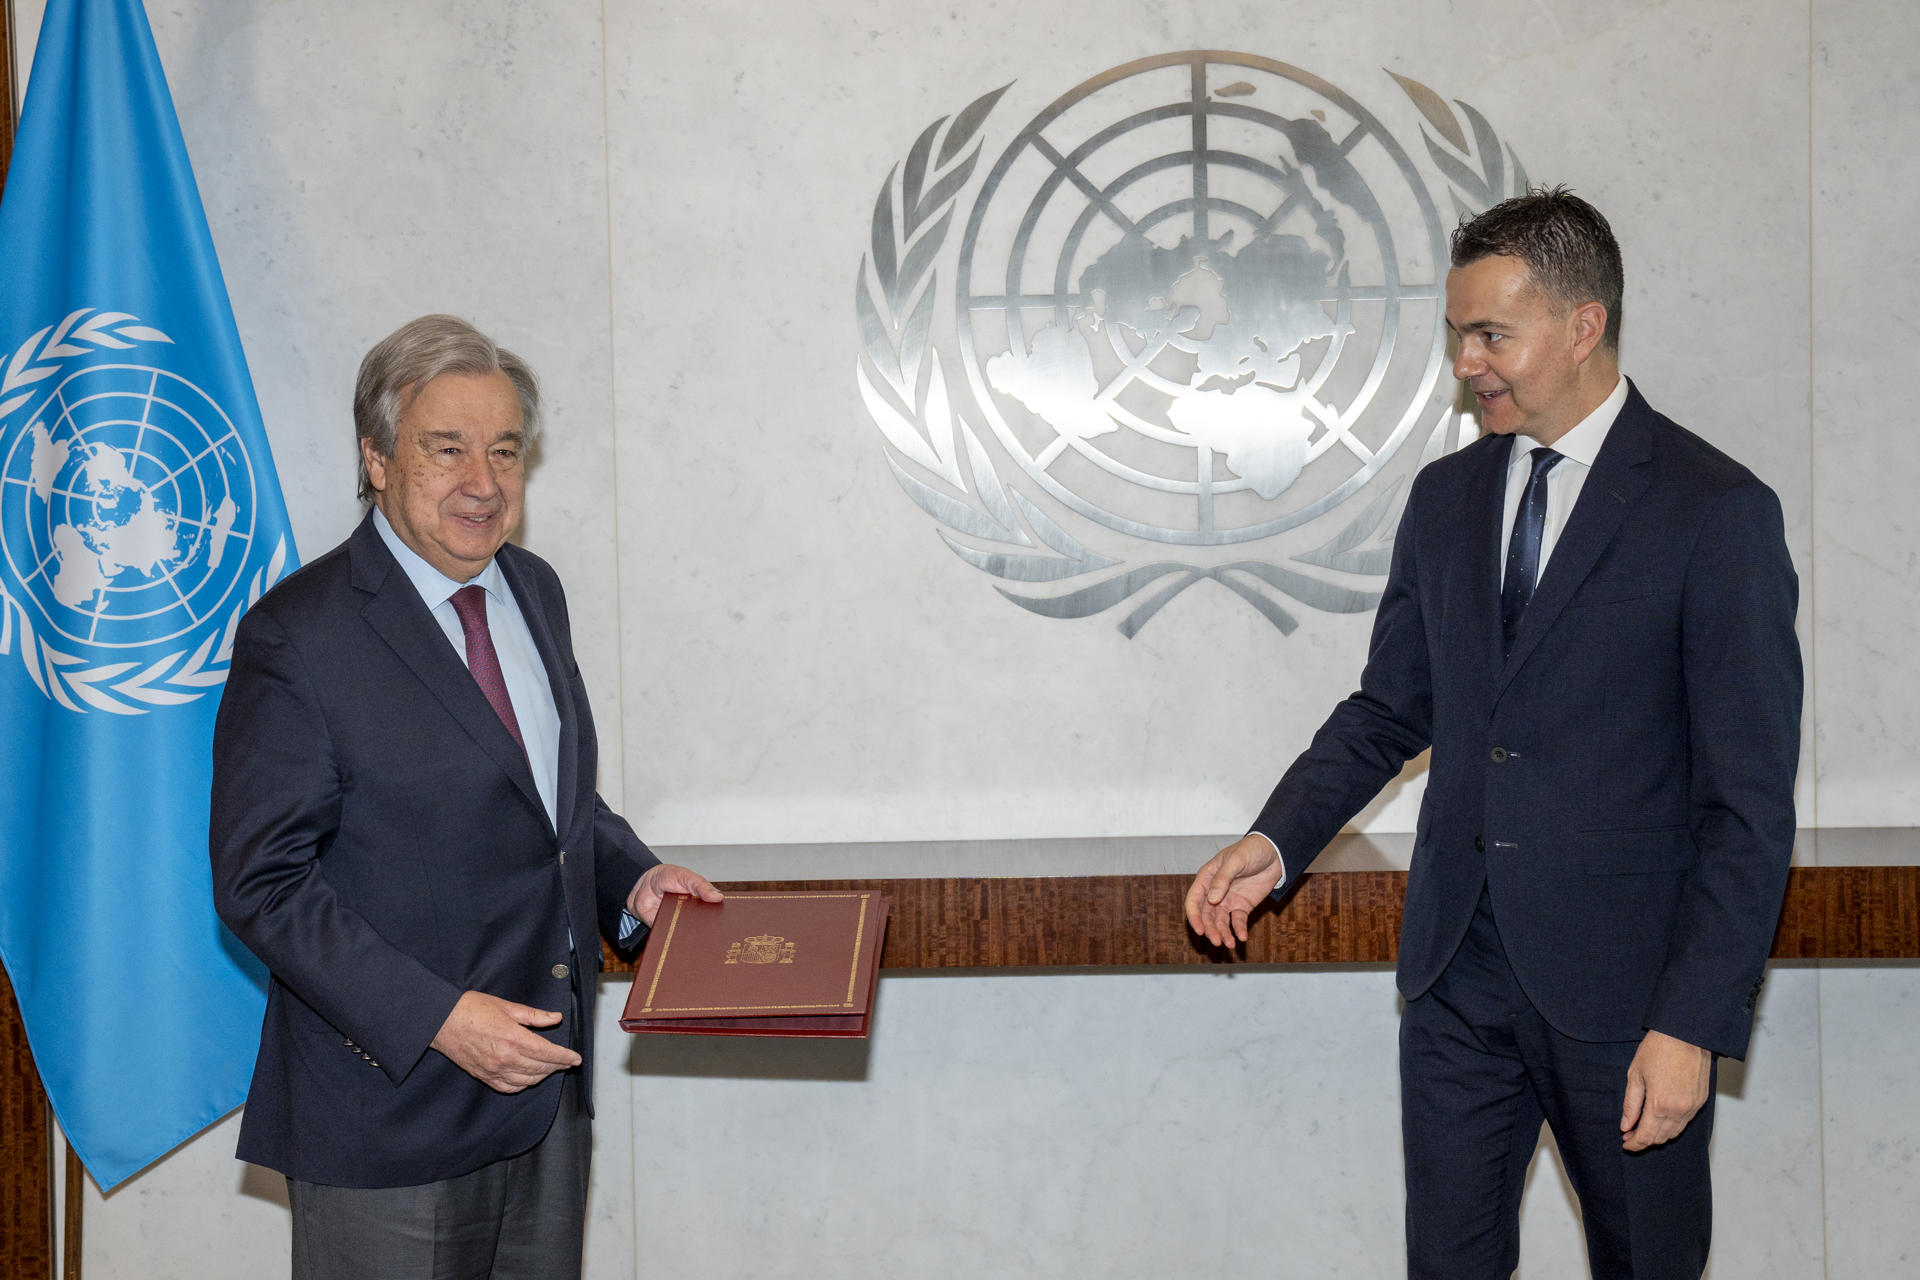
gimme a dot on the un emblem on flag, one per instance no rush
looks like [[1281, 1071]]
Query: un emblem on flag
[[127, 516]]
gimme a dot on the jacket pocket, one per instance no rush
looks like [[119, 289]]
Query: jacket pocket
[[1618, 853], [1614, 589]]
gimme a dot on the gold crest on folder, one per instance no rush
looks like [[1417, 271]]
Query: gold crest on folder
[[762, 948]]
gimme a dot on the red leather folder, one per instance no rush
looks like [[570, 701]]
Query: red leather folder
[[760, 964]]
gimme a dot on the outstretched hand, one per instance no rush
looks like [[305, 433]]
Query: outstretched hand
[[643, 903], [1234, 882]]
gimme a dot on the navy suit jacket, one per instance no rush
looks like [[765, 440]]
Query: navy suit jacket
[[378, 841], [1623, 783]]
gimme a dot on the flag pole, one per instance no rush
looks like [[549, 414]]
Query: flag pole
[[7, 77], [26, 1148], [71, 1246]]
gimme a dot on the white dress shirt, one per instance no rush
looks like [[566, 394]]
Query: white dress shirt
[[1577, 449]]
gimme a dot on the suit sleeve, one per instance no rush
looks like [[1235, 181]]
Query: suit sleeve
[[620, 859], [1372, 733], [1741, 663], [276, 801]]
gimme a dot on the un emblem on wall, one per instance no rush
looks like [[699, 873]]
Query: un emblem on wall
[[127, 504], [1193, 313]]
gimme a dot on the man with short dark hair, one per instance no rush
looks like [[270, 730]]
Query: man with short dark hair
[[405, 829], [1589, 619]]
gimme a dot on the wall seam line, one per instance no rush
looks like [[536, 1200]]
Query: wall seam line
[[619, 596], [1813, 630]]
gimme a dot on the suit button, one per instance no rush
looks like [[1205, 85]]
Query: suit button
[[560, 971], [1498, 755], [563, 857], [1479, 844]]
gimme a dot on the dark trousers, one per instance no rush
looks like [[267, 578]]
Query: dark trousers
[[521, 1218], [1479, 1071]]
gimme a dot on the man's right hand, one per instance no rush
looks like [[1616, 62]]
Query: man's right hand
[[487, 1038], [1233, 883]]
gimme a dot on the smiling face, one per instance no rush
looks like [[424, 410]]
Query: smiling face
[[454, 487], [1532, 365]]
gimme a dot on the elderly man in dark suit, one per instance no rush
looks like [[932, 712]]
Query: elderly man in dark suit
[[405, 828], [1589, 618]]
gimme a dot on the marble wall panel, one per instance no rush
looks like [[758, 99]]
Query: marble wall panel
[[1865, 103], [1129, 1125], [199, 1214], [617, 1226], [821, 667], [1768, 1221], [1870, 1076]]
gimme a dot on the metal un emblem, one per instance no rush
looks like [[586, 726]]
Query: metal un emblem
[[762, 948], [1193, 311], [127, 508]]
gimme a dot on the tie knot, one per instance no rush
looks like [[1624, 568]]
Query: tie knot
[[1543, 460], [470, 603]]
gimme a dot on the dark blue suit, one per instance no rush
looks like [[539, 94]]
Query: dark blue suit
[[378, 841], [1621, 787]]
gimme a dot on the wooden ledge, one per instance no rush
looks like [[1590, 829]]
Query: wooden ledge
[[1342, 917]]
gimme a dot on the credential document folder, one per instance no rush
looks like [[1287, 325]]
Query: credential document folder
[[760, 964]]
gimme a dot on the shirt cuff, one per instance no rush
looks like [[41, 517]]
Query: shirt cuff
[[1278, 856], [629, 925]]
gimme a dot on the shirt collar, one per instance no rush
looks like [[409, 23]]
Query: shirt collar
[[1582, 443], [435, 587]]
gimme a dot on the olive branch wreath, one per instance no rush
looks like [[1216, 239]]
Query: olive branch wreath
[[123, 688], [904, 387]]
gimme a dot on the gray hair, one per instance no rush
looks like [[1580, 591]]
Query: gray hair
[[413, 355]]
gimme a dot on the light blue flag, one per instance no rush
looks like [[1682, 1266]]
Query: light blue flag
[[139, 517]]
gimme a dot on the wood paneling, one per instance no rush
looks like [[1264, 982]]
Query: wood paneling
[[26, 1153], [1346, 917], [1850, 913]]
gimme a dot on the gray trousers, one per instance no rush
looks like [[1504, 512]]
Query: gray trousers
[[521, 1218]]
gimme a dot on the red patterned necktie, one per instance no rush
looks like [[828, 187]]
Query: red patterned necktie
[[471, 604]]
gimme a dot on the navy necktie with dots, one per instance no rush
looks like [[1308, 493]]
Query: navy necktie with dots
[[1523, 549]]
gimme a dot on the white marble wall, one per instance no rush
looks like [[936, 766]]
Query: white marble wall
[[664, 208]]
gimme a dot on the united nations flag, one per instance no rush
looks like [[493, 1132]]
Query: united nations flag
[[139, 517]]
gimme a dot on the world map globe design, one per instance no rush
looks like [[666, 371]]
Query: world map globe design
[[1181, 305], [128, 504]]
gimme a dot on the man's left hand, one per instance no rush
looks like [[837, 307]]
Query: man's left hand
[[643, 904], [1667, 1085]]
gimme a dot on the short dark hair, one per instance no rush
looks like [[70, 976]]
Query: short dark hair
[[1566, 244], [415, 354]]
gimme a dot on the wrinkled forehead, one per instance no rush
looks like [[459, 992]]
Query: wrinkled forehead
[[483, 405]]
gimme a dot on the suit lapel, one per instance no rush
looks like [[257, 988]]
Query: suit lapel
[[401, 618], [559, 679], [1485, 497], [1620, 476]]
